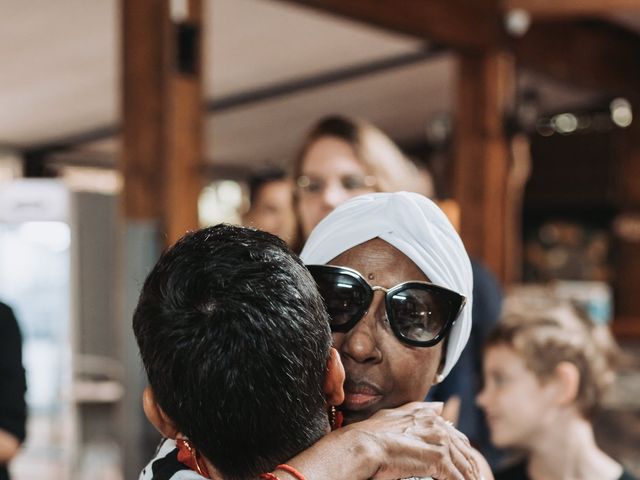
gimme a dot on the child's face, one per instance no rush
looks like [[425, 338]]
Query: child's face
[[516, 403]]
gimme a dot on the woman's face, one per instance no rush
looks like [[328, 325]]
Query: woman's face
[[516, 403], [381, 371], [333, 174]]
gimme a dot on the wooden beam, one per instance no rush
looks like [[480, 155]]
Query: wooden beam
[[626, 226], [140, 162], [162, 130], [142, 108], [160, 162], [455, 23], [628, 186], [571, 8], [481, 156], [590, 54], [595, 54], [626, 328], [183, 140]]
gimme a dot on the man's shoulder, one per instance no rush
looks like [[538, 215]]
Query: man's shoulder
[[165, 465]]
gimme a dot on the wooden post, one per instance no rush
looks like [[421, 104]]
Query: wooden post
[[163, 117], [183, 139], [626, 229], [160, 162], [141, 163], [481, 155], [142, 107]]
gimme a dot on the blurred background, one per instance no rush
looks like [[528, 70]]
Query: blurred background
[[124, 124]]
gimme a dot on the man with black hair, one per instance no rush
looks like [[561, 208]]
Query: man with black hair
[[229, 319], [236, 343]]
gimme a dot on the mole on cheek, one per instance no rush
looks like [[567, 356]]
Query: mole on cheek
[[371, 276]]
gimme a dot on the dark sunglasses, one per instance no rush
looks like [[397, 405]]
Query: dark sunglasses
[[420, 313]]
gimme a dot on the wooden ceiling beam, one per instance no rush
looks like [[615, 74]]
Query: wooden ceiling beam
[[591, 54], [594, 55], [571, 8], [462, 24]]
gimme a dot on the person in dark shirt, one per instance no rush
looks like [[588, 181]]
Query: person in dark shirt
[[464, 381], [13, 410]]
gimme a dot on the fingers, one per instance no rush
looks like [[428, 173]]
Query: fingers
[[417, 441], [447, 449], [413, 457], [462, 454]]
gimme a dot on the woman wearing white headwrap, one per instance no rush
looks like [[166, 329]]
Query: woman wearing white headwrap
[[398, 286]]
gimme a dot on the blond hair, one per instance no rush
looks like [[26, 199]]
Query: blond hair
[[545, 336], [379, 155]]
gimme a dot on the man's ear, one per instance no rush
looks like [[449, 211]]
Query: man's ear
[[334, 380], [156, 415], [567, 379]]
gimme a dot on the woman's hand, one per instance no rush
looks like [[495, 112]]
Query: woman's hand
[[416, 441], [409, 441]]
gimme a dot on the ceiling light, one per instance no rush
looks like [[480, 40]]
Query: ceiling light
[[517, 22], [621, 113], [565, 123]]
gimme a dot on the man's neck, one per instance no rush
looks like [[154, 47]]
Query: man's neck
[[214, 474]]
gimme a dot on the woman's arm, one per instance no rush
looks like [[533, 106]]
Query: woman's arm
[[412, 440]]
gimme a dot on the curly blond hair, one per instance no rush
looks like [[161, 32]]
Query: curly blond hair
[[547, 335]]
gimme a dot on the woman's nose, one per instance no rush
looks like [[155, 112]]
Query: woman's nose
[[334, 194], [361, 343]]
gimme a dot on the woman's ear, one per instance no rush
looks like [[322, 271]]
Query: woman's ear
[[567, 378], [156, 415], [438, 377], [334, 380]]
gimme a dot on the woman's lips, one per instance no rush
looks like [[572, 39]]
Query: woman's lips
[[359, 396]]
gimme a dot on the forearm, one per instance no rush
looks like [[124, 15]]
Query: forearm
[[409, 441], [344, 453], [9, 446]]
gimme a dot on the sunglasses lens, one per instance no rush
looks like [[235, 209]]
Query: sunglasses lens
[[343, 296], [420, 314]]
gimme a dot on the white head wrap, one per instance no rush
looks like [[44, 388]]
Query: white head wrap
[[418, 228]]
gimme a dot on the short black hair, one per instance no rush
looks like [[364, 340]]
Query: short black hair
[[262, 178], [235, 340]]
